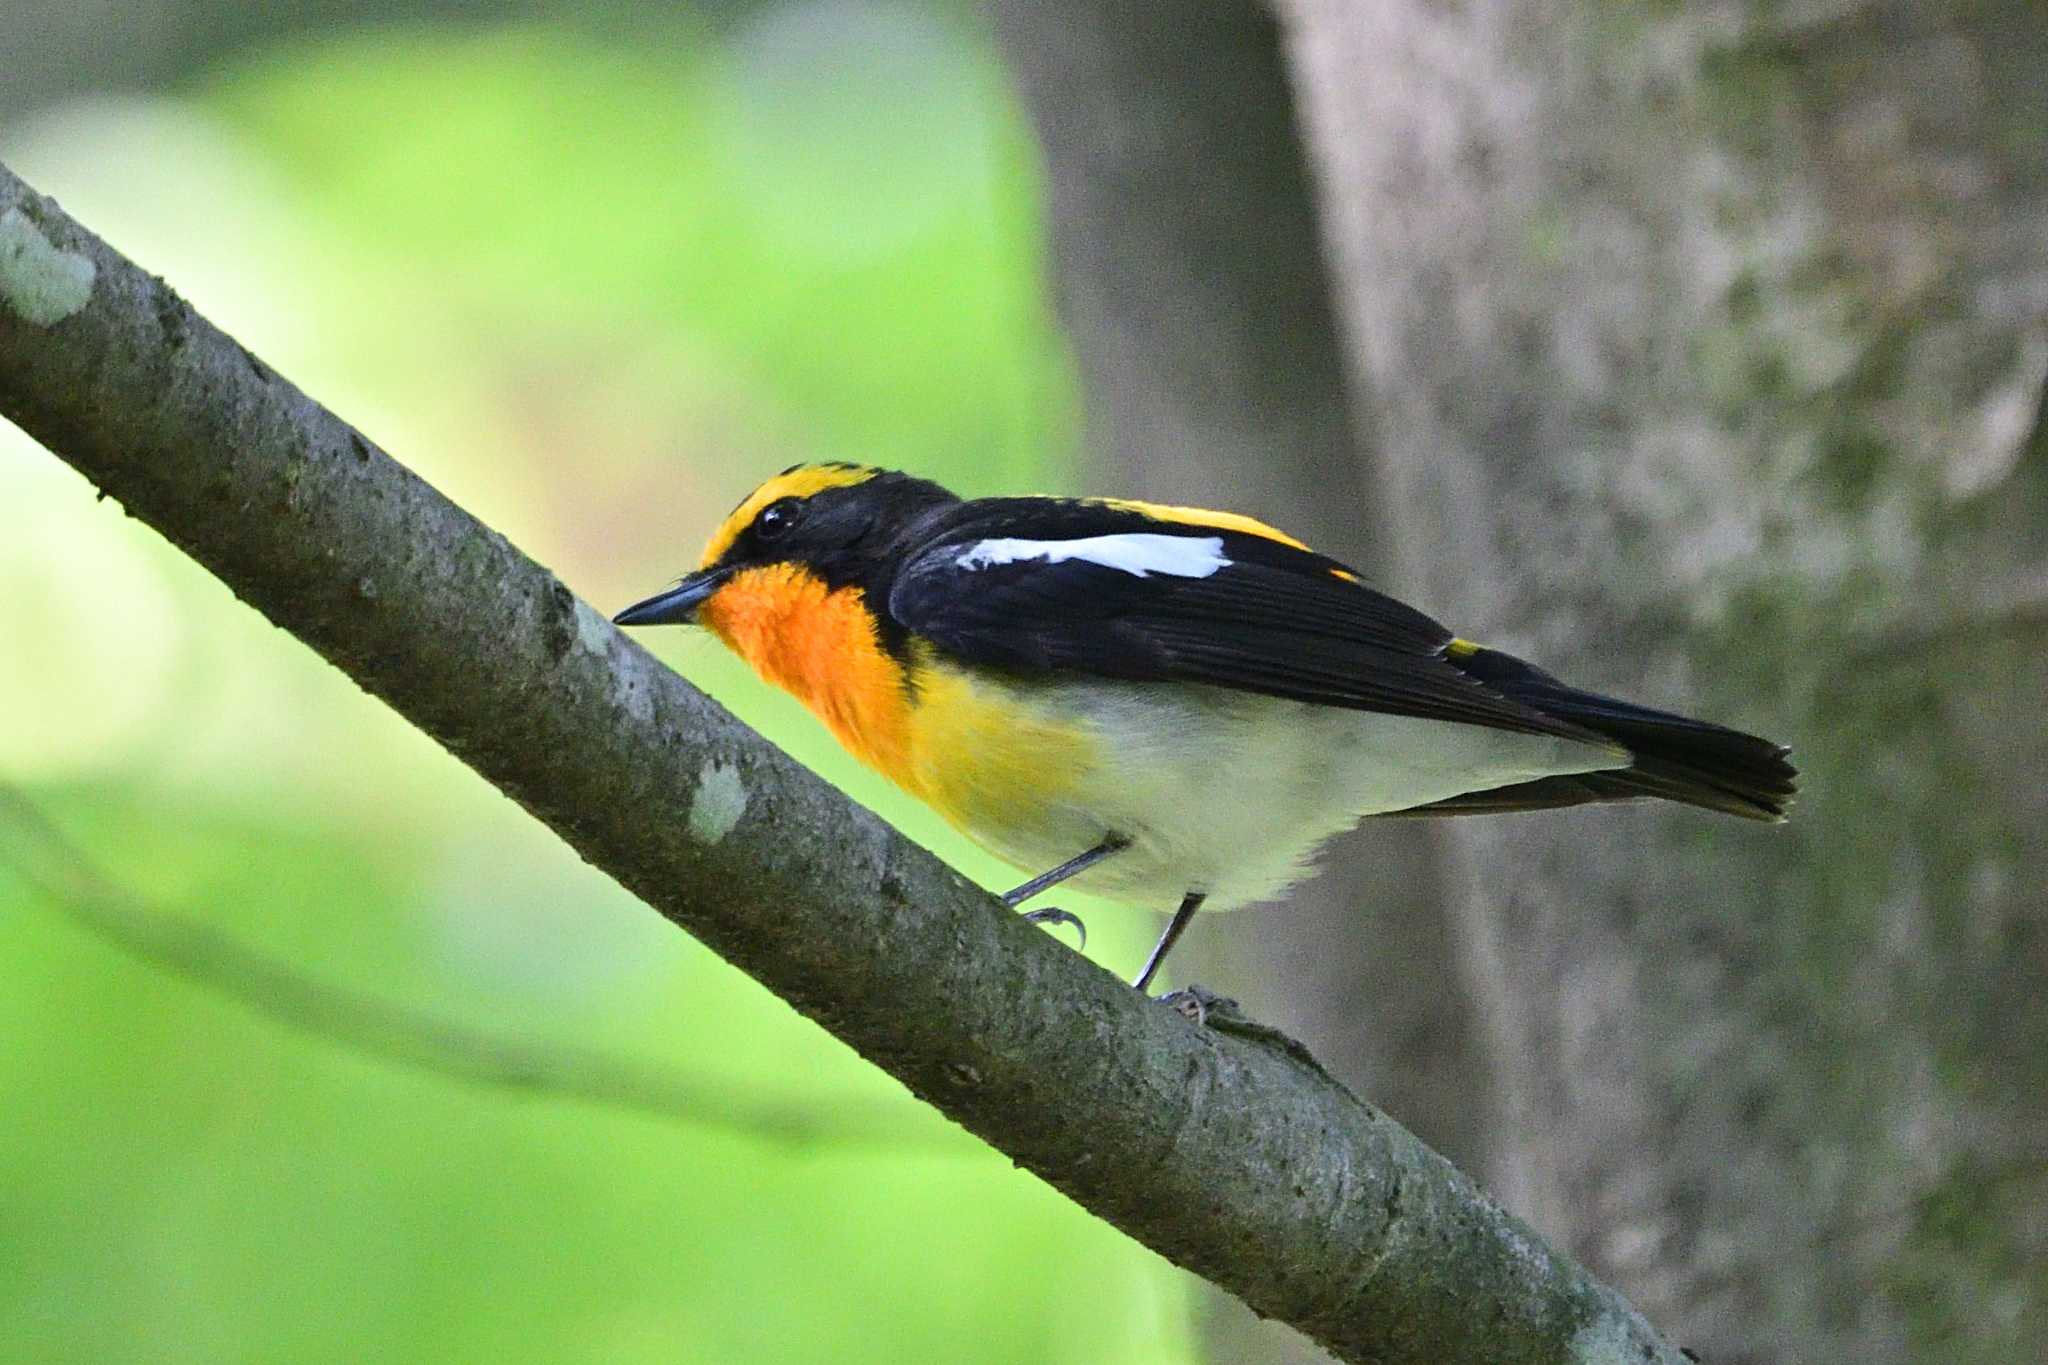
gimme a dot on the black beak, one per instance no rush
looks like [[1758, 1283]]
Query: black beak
[[678, 606]]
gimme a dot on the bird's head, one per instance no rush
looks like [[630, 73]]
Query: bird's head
[[812, 529]]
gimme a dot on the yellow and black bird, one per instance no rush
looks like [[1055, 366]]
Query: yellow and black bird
[[1160, 704]]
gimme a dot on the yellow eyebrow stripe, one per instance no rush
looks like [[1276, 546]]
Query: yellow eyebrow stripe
[[800, 482]]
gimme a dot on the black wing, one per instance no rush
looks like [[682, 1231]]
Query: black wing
[[1272, 619]]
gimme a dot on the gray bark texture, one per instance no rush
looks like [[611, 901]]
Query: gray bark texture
[[1229, 1152], [1707, 348], [1697, 352]]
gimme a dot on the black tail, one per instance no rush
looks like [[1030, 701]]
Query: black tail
[[1675, 758]]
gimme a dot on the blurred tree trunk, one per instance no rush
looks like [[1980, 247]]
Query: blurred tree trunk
[[1705, 351], [1709, 345], [1190, 275]]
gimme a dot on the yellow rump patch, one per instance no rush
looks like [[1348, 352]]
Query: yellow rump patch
[[1461, 649], [801, 482], [1199, 516]]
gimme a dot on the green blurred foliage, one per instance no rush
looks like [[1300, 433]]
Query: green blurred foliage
[[594, 289]]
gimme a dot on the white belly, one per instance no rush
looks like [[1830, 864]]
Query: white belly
[[1228, 793]]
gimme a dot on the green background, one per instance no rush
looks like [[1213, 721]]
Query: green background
[[594, 283]]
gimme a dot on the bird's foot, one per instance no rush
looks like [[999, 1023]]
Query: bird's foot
[[1203, 1008], [1052, 914]]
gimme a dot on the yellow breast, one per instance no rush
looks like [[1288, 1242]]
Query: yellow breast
[[973, 752], [985, 760]]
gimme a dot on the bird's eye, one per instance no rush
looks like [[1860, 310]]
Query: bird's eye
[[777, 518]]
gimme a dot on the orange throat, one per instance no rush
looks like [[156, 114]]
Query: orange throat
[[822, 646]]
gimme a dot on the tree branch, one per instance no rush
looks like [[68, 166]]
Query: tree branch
[[1227, 1156]]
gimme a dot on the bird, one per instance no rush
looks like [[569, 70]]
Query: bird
[[1161, 705]]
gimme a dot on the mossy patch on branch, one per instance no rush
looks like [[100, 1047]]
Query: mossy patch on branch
[[38, 280]]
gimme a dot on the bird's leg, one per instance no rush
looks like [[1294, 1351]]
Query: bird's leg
[[1111, 844], [1188, 905]]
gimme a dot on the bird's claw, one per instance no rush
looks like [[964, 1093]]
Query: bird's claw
[[1197, 1003], [1204, 1008], [1052, 914]]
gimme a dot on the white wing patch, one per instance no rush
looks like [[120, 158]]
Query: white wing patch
[[1139, 552]]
